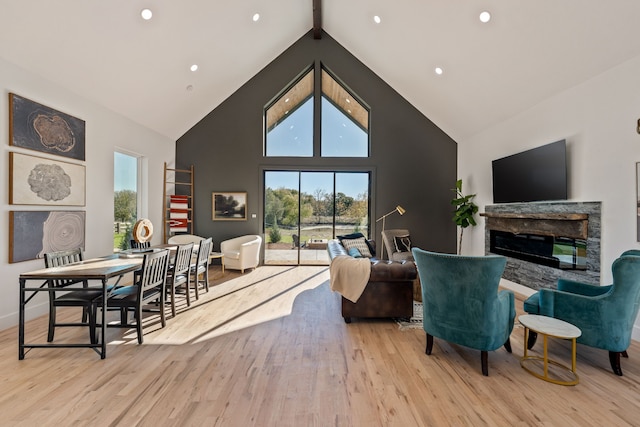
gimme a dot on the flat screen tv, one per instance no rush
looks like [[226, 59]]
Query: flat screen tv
[[534, 175]]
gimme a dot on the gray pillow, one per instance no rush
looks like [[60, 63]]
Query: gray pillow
[[359, 243]]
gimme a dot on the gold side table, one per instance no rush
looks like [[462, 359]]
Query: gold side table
[[549, 327]]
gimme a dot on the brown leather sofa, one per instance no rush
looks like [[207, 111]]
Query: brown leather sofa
[[389, 292]]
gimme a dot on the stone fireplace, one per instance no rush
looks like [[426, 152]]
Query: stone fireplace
[[544, 241]]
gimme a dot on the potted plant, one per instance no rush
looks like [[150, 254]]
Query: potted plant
[[464, 212]]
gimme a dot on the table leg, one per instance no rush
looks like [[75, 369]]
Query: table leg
[[573, 355], [21, 321], [103, 326], [526, 336]]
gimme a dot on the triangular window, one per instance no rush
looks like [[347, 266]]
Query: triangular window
[[290, 119]]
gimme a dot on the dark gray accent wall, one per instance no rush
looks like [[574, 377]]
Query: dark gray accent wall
[[413, 162]]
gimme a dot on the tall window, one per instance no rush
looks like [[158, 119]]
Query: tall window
[[304, 209], [125, 198]]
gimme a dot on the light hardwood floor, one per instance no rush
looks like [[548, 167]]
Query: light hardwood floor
[[269, 348]]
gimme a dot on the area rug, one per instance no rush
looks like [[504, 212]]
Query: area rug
[[416, 320]]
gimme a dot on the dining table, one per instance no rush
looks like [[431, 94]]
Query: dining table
[[97, 270]]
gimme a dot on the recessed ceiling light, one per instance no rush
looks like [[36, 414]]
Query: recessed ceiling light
[[439, 71], [348, 100], [377, 19], [256, 17], [194, 67], [485, 17], [146, 14]]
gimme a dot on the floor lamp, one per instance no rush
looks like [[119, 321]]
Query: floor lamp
[[398, 209]]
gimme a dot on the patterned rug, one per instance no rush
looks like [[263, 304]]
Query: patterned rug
[[416, 320]]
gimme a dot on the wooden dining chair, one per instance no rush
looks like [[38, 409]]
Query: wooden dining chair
[[178, 274], [149, 287], [200, 270], [70, 298]]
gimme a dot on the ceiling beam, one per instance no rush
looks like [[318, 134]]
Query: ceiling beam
[[317, 19]]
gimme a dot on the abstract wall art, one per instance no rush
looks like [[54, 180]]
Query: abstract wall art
[[39, 181], [34, 233], [37, 127]]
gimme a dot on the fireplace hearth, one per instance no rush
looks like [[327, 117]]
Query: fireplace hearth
[[544, 241]]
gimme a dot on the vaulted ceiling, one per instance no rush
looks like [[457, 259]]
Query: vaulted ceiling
[[527, 52]]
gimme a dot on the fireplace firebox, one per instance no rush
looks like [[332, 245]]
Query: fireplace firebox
[[558, 252]]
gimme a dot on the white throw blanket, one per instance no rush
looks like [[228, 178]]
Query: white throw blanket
[[349, 276]]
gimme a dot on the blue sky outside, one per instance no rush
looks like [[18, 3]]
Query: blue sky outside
[[350, 183], [125, 172], [341, 137]]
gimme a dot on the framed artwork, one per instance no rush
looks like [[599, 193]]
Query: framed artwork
[[34, 233], [39, 181], [230, 206], [37, 127]]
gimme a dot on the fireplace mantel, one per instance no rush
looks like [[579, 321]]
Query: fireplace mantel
[[573, 225]]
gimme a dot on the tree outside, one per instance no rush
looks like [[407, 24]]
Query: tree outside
[[124, 211], [316, 212]]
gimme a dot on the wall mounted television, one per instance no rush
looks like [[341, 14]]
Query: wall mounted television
[[539, 174]]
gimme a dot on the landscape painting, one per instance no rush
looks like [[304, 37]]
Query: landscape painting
[[37, 127], [39, 181], [34, 233], [229, 206]]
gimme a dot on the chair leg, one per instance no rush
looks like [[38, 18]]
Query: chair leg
[[625, 354], [187, 287], [507, 345], [484, 358], [173, 302], [533, 336], [92, 312], [52, 322], [614, 359], [206, 279], [163, 319], [429, 344], [138, 314]]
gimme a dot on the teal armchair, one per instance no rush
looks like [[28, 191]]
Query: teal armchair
[[461, 302], [604, 314]]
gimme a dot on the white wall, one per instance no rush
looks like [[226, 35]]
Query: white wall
[[105, 131], [598, 119]]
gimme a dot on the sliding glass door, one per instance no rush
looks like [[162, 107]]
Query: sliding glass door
[[304, 209]]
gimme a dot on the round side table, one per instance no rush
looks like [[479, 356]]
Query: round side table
[[549, 327]]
